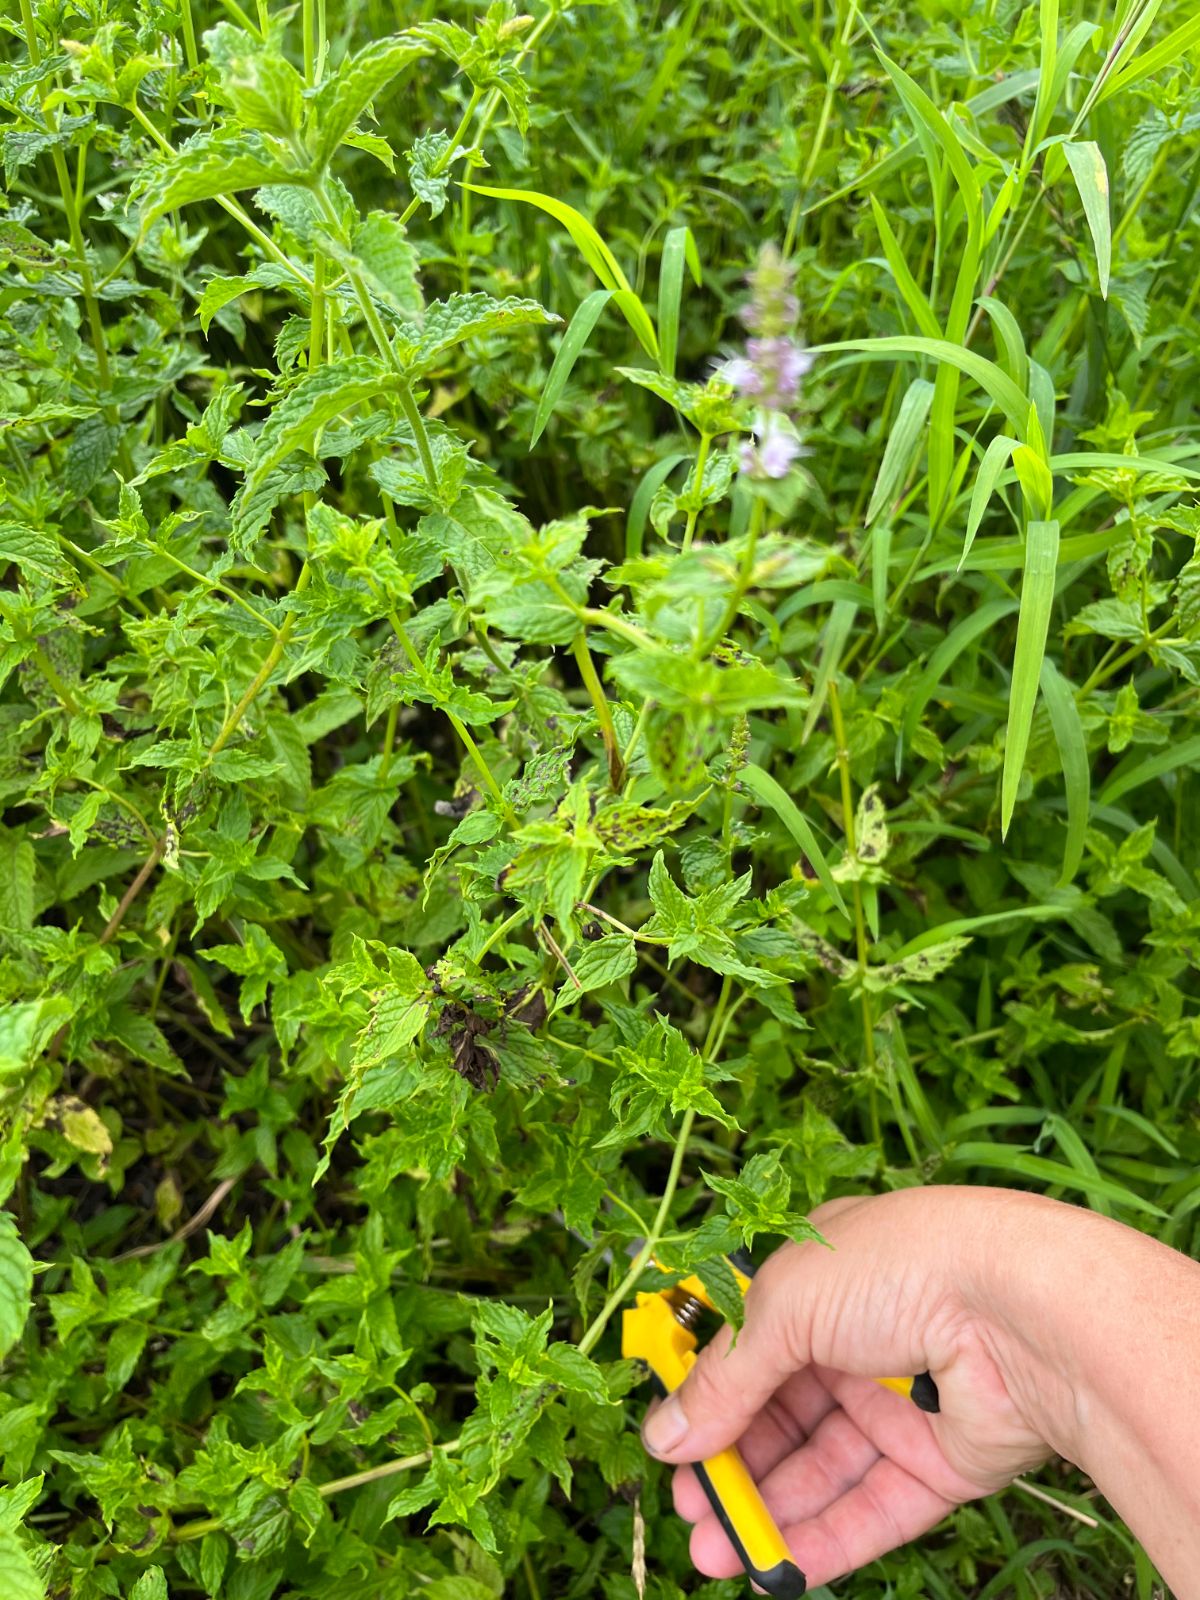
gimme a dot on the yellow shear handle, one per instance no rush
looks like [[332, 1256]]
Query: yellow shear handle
[[652, 1334]]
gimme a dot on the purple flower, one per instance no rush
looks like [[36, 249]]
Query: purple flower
[[780, 364], [771, 457], [744, 376], [777, 453]]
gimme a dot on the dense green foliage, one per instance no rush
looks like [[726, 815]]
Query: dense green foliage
[[441, 787]]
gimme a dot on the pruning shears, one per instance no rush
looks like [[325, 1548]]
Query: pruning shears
[[660, 1330]]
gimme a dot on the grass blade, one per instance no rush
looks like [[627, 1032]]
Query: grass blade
[[1009, 339], [837, 631], [1164, 54], [1033, 623], [996, 383], [925, 115], [902, 446], [968, 927], [960, 638], [1133, 774], [569, 350], [1073, 754], [995, 459], [593, 250], [639, 506], [913, 295], [679, 248], [881, 555], [1091, 179], [1007, 1158], [769, 793]]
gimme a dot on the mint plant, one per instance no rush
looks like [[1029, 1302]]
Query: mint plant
[[524, 751]]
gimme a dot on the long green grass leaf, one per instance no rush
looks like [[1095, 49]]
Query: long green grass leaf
[[1140, 770], [679, 249], [1013, 87], [639, 506], [968, 927], [925, 115], [1008, 335], [998, 385], [1033, 623], [995, 459], [573, 341], [1006, 1158], [1091, 179], [1177, 44], [833, 642], [960, 638], [593, 250], [770, 793], [902, 446], [911, 293], [1073, 754]]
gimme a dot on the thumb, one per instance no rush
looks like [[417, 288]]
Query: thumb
[[732, 1381]]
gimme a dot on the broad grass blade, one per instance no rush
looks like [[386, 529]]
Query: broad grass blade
[[837, 631], [913, 295], [573, 341], [1073, 754], [1091, 179], [593, 250], [995, 459], [1135, 773], [768, 792], [960, 638], [999, 387], [639, 506], [1033, 623], [902, 446], [679, 248]]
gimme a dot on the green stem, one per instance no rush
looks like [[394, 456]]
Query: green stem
[[744, 580], [307, 31], [271, 661], [216, 587], [389, 741], [1108, 669], [638, 1265], [460, 728], [860, 925], [92, 306], [316, 315], [447, 156], [189, 36], [417, 423], [587, 671], [52, 676], [497, 933], [614, 623], [230, 207], [388, 1469], [701, 462], [383, 344]]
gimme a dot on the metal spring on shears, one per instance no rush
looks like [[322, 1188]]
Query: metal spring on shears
[[688, 1314]]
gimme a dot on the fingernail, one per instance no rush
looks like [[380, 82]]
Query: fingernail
[[665, 1429]]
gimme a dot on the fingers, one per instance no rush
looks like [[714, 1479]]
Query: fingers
[[786, 1422], [887, 1508], [731, 1383], [804, 1481]]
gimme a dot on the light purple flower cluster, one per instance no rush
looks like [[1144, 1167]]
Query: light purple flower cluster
[[772, 367]]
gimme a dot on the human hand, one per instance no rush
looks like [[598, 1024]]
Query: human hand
[[914, 1281]]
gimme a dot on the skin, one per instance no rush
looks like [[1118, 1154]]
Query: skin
[[1048, 1329]]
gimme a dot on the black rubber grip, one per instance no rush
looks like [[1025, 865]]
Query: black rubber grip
[[784, 1581], [925, 1393]]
